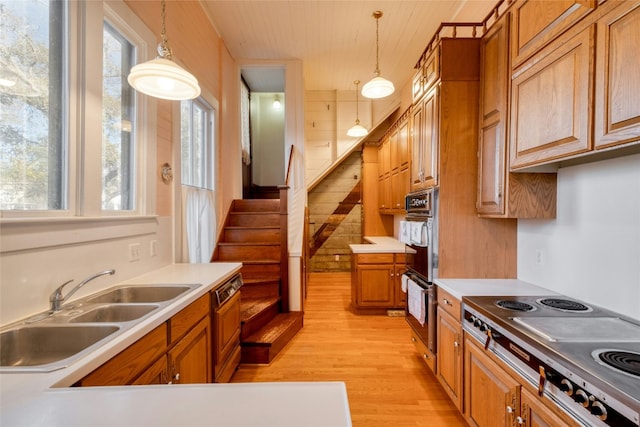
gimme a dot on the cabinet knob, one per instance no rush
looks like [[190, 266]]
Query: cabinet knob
[[413, 339], [177, 377], [509, 410], [520, 420], [456, 344], [425, 355]]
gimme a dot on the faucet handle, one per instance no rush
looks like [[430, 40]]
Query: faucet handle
[[56, 297]]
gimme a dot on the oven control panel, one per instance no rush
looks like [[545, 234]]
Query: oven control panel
[[571, 393]]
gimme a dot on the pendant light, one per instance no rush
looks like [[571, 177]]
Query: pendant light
[[357, 130], [377, 87], [161, 77]]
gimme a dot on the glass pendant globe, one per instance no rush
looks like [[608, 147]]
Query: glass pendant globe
[[163, 78], [377, 87]]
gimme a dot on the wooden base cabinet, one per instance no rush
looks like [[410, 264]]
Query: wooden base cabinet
[[226, 354], [449, 337], [492, 397], [375, 281]]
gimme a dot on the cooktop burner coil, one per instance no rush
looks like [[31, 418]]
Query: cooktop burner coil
[[514, 305], [565, 305], [625, 361]]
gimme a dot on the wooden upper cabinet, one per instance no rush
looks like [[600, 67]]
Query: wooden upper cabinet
[[424, 162], [538, 22], [403, 144], [617, 108], [502, 194], [551, 95], [427, 74]]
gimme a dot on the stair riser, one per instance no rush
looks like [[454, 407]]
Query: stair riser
[[256, 205], [247, 235], [260, 291], [242, 252], [260, 271], [254, 220]]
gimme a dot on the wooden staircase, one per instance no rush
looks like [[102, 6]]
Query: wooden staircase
[[254, 235]]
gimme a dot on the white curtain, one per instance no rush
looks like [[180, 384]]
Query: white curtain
[[246, 134], [198, 224]]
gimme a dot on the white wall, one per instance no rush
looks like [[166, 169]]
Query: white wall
[[591, 251], [267, 138]]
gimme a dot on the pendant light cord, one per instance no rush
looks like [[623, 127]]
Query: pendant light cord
[[377, 15], [163, 48], [357, 82]]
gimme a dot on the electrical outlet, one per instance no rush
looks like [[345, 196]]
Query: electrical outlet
[[153, 248], [134, 252], [337, 257], [539, 257]]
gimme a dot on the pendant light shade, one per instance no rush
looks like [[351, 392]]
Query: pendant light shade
[[161, 77], [357, 130], [377, 87]]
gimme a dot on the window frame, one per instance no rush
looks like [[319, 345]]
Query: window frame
[[209, 150], [83, 214]]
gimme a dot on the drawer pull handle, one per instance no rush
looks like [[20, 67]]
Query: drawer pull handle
[[447, 302]]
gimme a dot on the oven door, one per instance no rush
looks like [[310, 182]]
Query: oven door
[[421, 309]]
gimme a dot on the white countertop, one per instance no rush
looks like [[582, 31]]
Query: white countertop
[[46, 399], [470, 287], [378, 244]]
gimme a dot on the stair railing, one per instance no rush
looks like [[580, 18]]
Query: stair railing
[[284, 238]]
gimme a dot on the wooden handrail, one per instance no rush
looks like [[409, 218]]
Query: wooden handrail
[[453, 26], [286, 181]]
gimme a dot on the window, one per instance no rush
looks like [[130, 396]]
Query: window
[[71, 127], [197, 141], [118, 109], [33, 163]]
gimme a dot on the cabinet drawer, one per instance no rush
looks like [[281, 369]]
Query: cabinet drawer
[[131, 362], [449, 303], [401, 260], [374, 258], [426, 356], [188, 317]]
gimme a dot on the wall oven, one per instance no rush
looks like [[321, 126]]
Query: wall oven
[[419, 233]]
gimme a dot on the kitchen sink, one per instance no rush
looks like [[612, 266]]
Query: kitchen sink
[[139, 294], [41, 345], [115, 313]]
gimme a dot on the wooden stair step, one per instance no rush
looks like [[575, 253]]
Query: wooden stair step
[[252, 307], [254, 219], [264, 345], [256, 205], [237, 234]]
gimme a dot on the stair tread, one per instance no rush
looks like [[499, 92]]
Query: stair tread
[[249, 243], [270, 332], [252, 227], [254, 213], [251, 307], [265, 280]]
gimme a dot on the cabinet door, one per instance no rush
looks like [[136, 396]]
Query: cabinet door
[[449, 338], [384, 194], [617, 112], [535, 414], [491, 396], [430, 141], [227, 331], [494, 89], [157, 373], [550, 111], [400, 297], [417, 146], [537, 22], [190, 358], [403, 145], [376, 285]]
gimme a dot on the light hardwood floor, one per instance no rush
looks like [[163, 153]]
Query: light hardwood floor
[[387, 384]]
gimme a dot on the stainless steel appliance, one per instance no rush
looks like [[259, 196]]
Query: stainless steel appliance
[[583, 358], [420, 236]]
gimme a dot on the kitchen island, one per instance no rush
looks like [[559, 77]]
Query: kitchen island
[[47, 398]]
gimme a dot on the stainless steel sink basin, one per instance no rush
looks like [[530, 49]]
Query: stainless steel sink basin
[[140, 294], [115, 313], [42, 345]]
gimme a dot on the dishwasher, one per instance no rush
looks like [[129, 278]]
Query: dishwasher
[[226, 329]]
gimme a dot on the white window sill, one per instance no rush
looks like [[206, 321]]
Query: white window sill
[[19, 234]]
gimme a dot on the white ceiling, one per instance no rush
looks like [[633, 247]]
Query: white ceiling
[[334, 39]]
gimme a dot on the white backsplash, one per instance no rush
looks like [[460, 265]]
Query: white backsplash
[[28, 277], [591, 251]]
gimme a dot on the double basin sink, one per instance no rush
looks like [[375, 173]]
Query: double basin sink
[[51, 341]]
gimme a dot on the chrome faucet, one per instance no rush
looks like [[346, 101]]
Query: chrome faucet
[[56, 298]]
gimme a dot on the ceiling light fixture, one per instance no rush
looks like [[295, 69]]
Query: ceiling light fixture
[[276, 103], [161, 77], [377, 87], [357, 130]]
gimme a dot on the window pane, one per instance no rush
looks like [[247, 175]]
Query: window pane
[[197, 144], [117, 123], [32, 150]]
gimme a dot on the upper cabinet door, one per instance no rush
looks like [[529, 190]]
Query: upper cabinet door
[[550, 111], [617, 108], [538, 22]]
